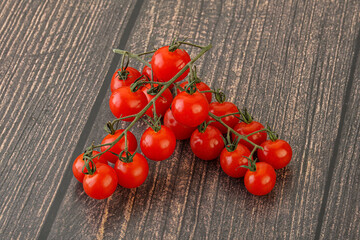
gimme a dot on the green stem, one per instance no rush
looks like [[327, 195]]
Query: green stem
[[135, 56], [253, 151], [230, 114], [207, 91], [167, 85], [261, 130], [102, 145], [157, 83], [245, 138], [122, 118], [141, 54]]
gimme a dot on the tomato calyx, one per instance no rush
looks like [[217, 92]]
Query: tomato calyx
[[153, 122], [191, 88], [272, 134], [125, 156], [123, 74], [193, 75], [109, 128], [220, 96], [202, 127], [230, 145], [245, 116], [154, 89], [251, 163], [89, 164], [175, 44]]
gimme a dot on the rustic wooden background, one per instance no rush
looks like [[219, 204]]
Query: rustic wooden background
[[294, 64]]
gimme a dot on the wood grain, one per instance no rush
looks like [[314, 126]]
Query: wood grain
[[289, 62], [49, 81], [293, 64], [341, 218]]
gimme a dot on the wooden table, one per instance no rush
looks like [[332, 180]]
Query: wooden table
[[293, 64]]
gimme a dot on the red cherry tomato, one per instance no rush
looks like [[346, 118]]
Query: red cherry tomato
[[190, 109], [102, 183], [247, 128], [79, 164], [207, 145], [158, 145], [181, 131], [161, 104], [201, 86], [261, 181], [166, 64], [132, 174], [123, 102], [221, 109], [147, 73], [119, 146], [117, 82], [231, 161], [277, 153]]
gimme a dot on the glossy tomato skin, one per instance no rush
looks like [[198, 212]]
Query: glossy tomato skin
[[190, 109], [147, 73], [102, 183], [117, 82], [247, 128], [123, 102], [207, 145], [181, 131], [166, 64], [201, 86], [79, 164], [161, 104], [231, 161], [119, 146], [221, 109], [132, 174], [262, 181], [277, 153], [158, 146]]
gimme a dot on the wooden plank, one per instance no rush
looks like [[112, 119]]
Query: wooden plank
[[289, 62], [341, 219], [49, 82]]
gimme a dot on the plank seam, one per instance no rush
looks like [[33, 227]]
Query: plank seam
[[344, 111], [65, 182]]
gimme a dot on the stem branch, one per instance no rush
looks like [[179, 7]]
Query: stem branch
[[166, 85]]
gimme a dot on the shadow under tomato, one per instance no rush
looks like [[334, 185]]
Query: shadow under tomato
[[182, 183]]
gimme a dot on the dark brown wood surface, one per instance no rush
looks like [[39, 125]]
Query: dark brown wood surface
[[294, 64]]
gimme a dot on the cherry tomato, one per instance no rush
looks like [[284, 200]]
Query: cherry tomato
[[201, 86], [277, 153], [123, 102], [231, 161], [132, 174], [247, 128], [117, 82], [119, 146], [147, 73], [161, 104], [79, 164], [166, 64], [261, 181], [207, 145], [181, 131], [102, 183], [221, 109], [158, 145], [190, 109]]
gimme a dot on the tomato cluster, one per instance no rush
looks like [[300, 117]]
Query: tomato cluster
[[190, 114]]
